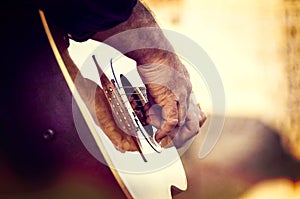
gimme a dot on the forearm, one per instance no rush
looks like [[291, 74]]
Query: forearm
[[166, 78], [136, 37]]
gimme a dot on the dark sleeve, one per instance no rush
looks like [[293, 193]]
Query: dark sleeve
[[81, 19]]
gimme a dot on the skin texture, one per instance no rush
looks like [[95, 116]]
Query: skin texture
[[167, 81], [98, 106], [169, 109], [94, 98]]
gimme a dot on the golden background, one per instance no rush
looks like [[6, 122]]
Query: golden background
[[255, 47]]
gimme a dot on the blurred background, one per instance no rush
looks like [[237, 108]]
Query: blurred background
[[255, 47], [247, 41]]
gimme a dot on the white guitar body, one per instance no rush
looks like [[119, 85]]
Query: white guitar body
[[148, 179], [138, 179]]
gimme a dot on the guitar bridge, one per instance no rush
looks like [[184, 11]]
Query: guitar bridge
[[126, 103]]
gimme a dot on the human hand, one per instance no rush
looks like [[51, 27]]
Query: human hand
[[94, 98], [105, 119], [170, 108], [167, 80]]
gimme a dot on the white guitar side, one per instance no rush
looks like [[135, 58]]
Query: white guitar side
[[143, 180]]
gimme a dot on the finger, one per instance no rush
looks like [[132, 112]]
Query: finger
[[182, 111], [154, 120], [185, 134], [203, 118], [170, 119], [166, 142], [146, 107], [128, 144], [189, 129], [153, 115], [149, 96]]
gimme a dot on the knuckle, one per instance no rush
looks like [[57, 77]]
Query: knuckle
[[172, 122], [182, 122], [189, 87], [196, 132]]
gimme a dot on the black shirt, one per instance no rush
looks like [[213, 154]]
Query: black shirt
[[35, 99], [83, 18]]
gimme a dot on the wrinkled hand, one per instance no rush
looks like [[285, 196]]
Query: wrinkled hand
[[104, 118], [168, 85], [94, 99], [170, 109]]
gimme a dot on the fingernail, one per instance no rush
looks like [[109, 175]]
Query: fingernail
[[157, 138]]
